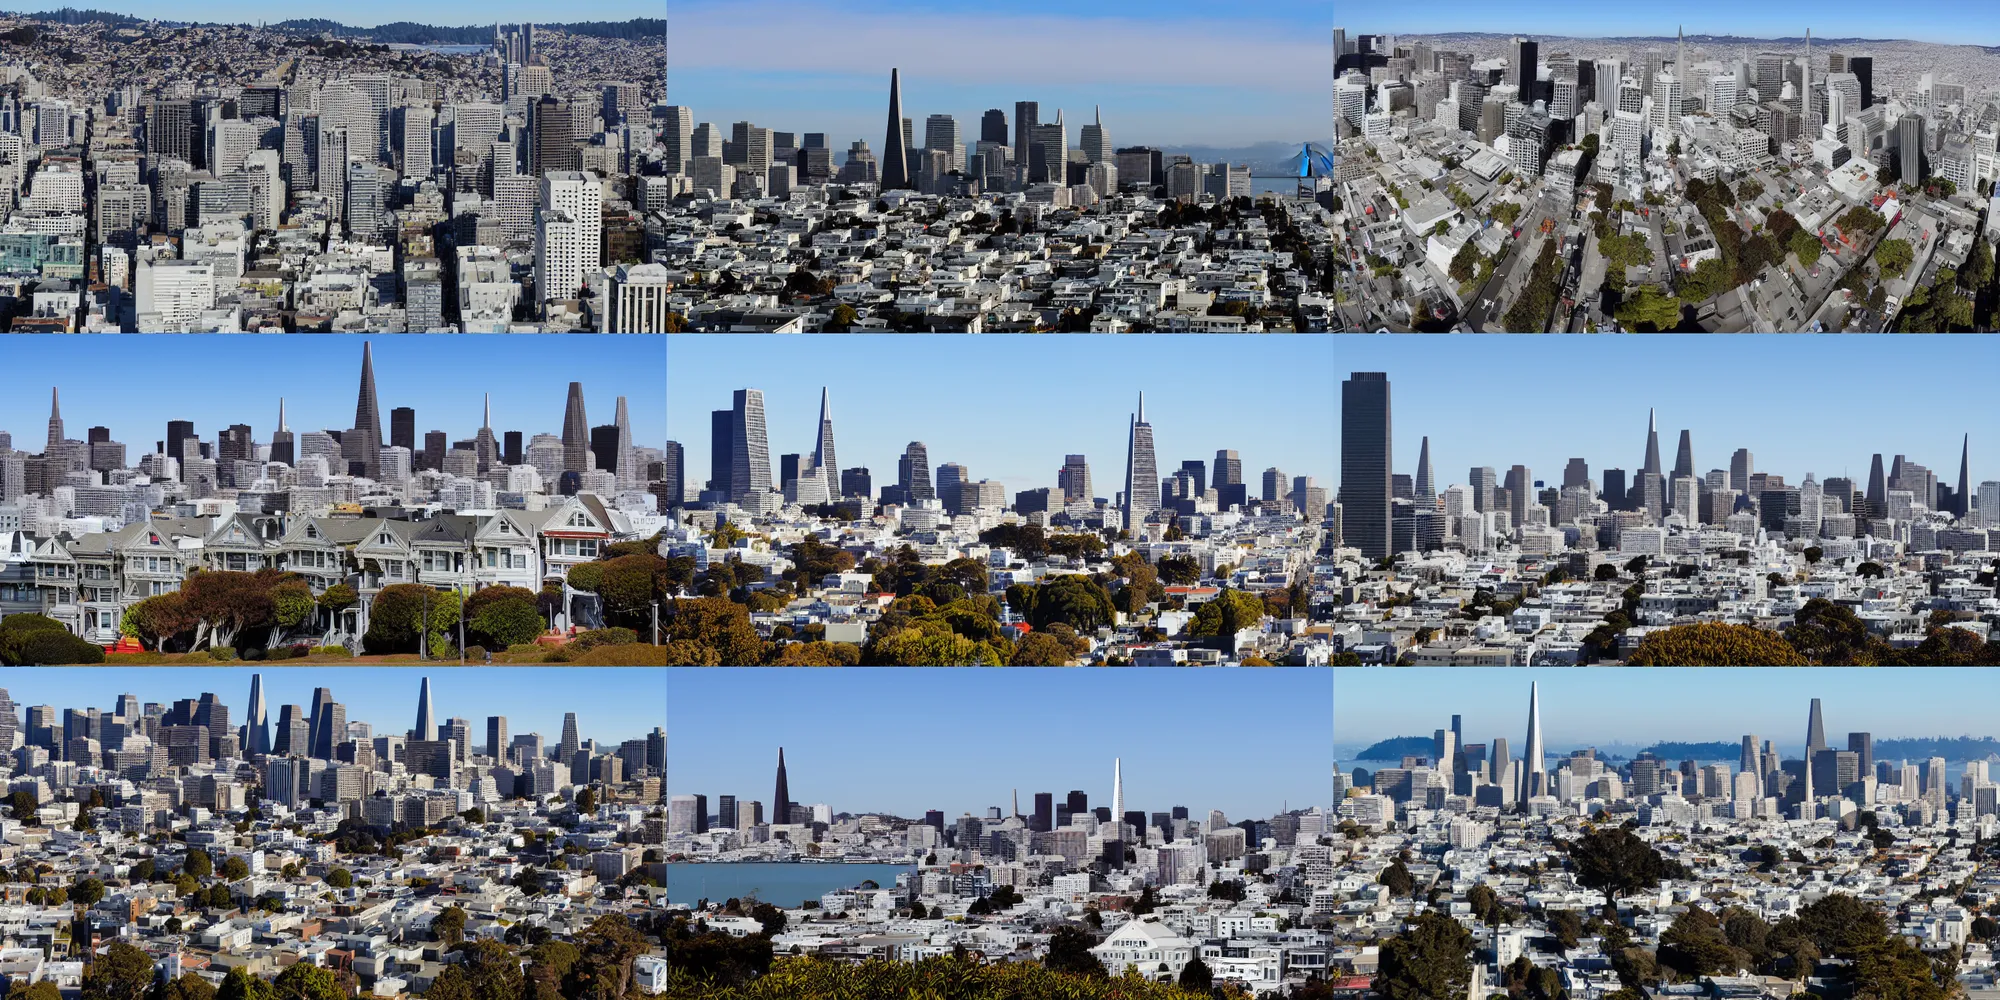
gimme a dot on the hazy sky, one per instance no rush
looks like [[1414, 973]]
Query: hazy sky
[[135, 383], [1165, 72], [369, 13], [1946, 23], [899, 740], [1010, 407], [1639, 705], [612, 705], [1800, 403]]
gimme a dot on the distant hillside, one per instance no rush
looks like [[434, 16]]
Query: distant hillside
[[396, 32], [1948, 747], [1398, 747], [1672, 751], [413, 33]]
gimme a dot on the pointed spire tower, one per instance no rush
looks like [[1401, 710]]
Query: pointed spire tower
[[367, 446], [782, 798], [55, 421], [426, 721], [575, 433], [823, 457], [1117, 792], [281, 439], [895, 152], [485, 449], [1426, 484], [1142, 477], [1963, 497], [256, 737], [629, 475], [1533, 777]]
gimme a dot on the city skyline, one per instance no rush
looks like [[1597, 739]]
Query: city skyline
[[1048, 751], [1724, 406], [1248, 81], [526, 392], [385, 697], [1636, 707], [1778, 19], [1094, 418], [361, 14]]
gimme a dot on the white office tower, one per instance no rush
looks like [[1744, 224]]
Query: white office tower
[[679, 137], [172, 294], [1666, 102], [229, 141], [1097, 142], [941, 134], [413, 140], [334, 145], [1722, 91], [568, 240]]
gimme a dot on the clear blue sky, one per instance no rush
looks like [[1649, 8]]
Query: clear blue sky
[[1171, 72], [902, 741], [612, 705], [1945, 23], [135, 383], [1637, 706], [1009, 407], [369, 13], [1800, 403]]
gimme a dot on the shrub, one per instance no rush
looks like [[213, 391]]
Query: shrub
[[57, 648], [633, 654], [15, 630], [475, 652], [337, 652], [523, 648], [198, 656], [603, 637], [222, 655], [278, 653]]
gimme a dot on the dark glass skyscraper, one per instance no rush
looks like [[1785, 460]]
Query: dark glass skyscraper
[[895, 152], [781, 798], [1365, 442], [367, 448], [1142, 473], [575, 432]]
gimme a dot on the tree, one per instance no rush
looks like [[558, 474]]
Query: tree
[[1195, 975], [242, 984], [1694, 945], [1178, 571], [586, 801], [234, 869], [1566, 927], [1465, 263], [41, 989], [712, 631], [1397, 878], [1069, 951], [843, 319], [1507, 212], [449, 925], [1806, 246], [1831, 634], [189, 986], [340, 878], [87, 891], [1894, 257], [1649, 310], [1614, 861], [121, 973], [157, 619], [1708, 644], [1226, 614], [499, 617], [1427, 961], [199, 864], [305, 981], [1040, 649], [1074, 600]]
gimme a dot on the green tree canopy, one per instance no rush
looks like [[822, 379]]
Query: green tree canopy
[[1429, 960]]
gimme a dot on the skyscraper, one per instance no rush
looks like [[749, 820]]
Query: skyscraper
[[1117, 791], [749, 451], [630, 476], [1426, 484], [1815, 730], [566, 750], [256, 736], [993, 127], [367, 447], [426, 721], [1142, 476], [575, 432], [1366, 482], [1962, 498], [496, 737], [1521, 71], [1228, 468], [1533, 775], [913, 473], [781, 798], [895, 151], [1878, 488], [1027, 115], [485, 450], [823, 457], [282, 448]]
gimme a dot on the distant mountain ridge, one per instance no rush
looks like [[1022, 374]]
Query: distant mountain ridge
[[1953, 748], [395, 32]]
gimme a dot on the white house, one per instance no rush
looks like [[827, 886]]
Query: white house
[[1155, 949]]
